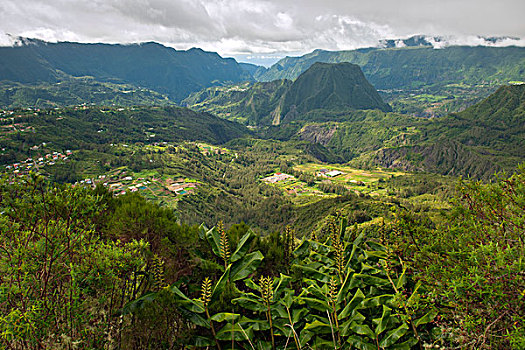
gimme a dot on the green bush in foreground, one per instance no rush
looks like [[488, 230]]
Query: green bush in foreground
[[80, 269]]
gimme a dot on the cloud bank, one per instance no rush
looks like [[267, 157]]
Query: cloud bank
[[264, 27]]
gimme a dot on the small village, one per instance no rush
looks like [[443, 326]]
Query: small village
[[355, 180], [293, 186], [33, 164], [120, 182]]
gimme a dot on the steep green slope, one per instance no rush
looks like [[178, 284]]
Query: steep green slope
[[505, 109], [413, 67], [252, 104], [151, 65], [483, 139], [332, 87], [76, 92], [314, 96]]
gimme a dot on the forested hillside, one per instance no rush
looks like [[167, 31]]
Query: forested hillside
[[413, 67], [480, 141], [78, 91], [25, 132], [150, 65], [323, 87], [251, 104]]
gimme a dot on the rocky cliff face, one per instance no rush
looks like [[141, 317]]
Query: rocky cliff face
[[317, 133]]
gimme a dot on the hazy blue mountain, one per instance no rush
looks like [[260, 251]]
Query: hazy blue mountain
[[253, 69], [150, 65]]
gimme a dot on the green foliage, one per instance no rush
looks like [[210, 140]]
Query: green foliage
[[480, 255], [471, 262], [60, 283], [343, 293]]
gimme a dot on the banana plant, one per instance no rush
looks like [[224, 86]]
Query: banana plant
[[237, 266], [240, 262], [276, 316], [346, 292], [354, 297]]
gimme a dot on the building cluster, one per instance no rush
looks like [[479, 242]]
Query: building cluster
[[25, 166], [329, 173], [277, 177], [120, 183]]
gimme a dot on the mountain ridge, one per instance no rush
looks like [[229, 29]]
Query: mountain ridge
[[412, 67], [467, 143], [151, 65]]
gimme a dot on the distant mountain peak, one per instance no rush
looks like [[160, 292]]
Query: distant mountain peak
[[330, 86]]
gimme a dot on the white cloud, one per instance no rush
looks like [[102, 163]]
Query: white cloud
[[234, 27]]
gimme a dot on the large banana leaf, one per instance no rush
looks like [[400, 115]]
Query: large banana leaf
[[243, 246], [360, 343], [280, 284], [255, 325], [369, 280], [322, 258], [318, 327], [225, 316], [251, 302], [203, 342], [238, 332], [393, 336], [221, 284], [302, 250], [384, 299], [194, 317], [384, 321], [354, 303], [246, 266], [213, 237], [426, 318], [361, 329], [313, 273], [375, 255], [138, 304], [317, 304]]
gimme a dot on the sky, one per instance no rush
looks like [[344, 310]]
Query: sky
[[260, 31]]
